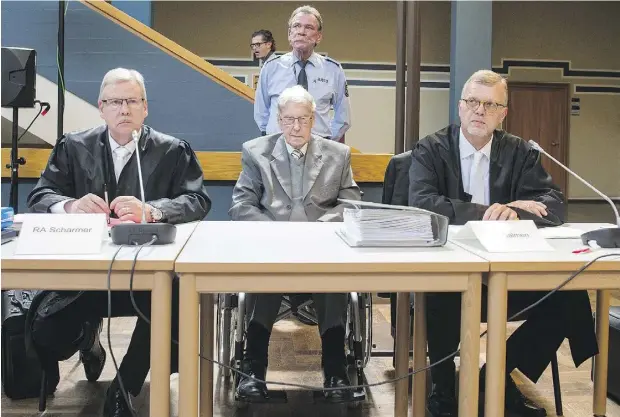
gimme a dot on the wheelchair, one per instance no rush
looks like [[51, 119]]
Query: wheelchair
[[232, 321]]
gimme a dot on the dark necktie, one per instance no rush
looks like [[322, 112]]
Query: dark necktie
[[302, 78]]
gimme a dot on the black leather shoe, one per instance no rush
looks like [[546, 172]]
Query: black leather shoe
[[337, 395], [115, 404], [249, 389], [519, 404], [93, 358], [442, 402]]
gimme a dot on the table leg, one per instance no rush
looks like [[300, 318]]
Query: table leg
[[188, 346], [601, 360], [497, 312], [470, 347], [206, 349], [401, 354], [418, 399], [161, 319]]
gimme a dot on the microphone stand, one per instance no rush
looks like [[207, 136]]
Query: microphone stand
[[16, 161], [605, 238]]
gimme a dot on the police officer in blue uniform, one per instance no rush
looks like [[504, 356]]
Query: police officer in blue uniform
[[322, 77]]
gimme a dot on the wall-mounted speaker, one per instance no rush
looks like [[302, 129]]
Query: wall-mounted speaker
[[18, 69]]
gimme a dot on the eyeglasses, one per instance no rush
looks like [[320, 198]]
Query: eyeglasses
[[117, 103], [290, 121], [489, 106], [256, 45]]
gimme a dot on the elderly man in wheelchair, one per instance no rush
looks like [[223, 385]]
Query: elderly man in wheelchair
[[294, 176]]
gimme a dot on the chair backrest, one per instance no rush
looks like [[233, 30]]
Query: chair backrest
[[396, 180]]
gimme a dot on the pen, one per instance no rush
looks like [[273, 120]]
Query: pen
[[105, 196]]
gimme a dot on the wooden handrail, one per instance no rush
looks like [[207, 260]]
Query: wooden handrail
[[216, 166], [171, 48]]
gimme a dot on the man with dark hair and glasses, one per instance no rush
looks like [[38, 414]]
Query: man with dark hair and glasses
[[263, 45], [95, 171], [475, 171], [294, 176]]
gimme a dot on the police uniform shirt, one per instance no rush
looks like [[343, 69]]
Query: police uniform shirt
[[326, 83]]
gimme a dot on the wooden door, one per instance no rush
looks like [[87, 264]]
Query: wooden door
[[541, 112]]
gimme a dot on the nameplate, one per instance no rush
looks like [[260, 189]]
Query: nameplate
[[505, 236], [61, 234]]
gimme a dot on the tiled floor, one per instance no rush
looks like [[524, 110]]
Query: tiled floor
[[294, 356]]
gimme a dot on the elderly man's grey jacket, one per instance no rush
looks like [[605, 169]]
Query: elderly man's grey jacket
[[263, 190]]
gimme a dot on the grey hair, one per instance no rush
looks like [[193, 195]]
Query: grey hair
[[296, 94], [488, 78], [119, 75], [307, 10]]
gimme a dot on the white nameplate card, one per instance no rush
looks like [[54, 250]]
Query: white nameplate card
[[61, 234], [505, 236]]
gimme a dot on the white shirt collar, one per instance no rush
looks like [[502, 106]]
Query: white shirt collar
[[467, 149], [290, 149], [313, 59], [130, 146]]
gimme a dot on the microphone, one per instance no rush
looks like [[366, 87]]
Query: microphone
[[142, 233], [605, 238], [46, 107]]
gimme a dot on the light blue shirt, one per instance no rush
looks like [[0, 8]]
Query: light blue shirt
[[326, 83], [467, 152]]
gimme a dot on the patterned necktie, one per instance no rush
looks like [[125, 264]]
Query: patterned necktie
[[121, 155], [297, 154], [476, 179], [302, 78]]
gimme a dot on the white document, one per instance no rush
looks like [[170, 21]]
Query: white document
[[373, 224], [561, 232], [61, 234], [505, 236]]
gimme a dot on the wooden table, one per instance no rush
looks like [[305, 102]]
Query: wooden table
[[543, 271], [153, 272], [310, 257]]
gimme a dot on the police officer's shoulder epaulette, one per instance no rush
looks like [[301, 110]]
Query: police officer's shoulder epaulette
[[333, 61], [272, 58]]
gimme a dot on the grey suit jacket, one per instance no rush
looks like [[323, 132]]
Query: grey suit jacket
[[263, 190]]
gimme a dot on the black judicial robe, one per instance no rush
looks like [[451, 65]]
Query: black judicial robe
[[81, 163], [515, 173]]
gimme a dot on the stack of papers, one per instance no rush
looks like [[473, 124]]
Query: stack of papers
[[378, 225]]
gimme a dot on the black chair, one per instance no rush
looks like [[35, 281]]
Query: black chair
[[396, 192], [613, 386]]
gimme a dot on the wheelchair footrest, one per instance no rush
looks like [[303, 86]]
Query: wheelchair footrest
[[319, 397], [275, 397]]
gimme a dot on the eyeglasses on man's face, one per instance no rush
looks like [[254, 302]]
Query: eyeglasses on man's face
[[290, 121], [489, 106], [256, 45], [117, 103]]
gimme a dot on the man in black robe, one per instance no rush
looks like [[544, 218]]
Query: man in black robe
[[84, 167], [475, 172]]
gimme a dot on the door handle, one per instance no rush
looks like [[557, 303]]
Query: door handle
[[555, 144]]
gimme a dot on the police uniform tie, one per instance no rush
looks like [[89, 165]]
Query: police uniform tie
[[302, 78]]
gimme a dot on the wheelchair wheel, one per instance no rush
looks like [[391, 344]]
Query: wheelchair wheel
[[226, 326], [366, 305], [360, 307]]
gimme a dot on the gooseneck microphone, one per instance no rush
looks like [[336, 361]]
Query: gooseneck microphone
[[134, 136], [142, 233], [605, 238]]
